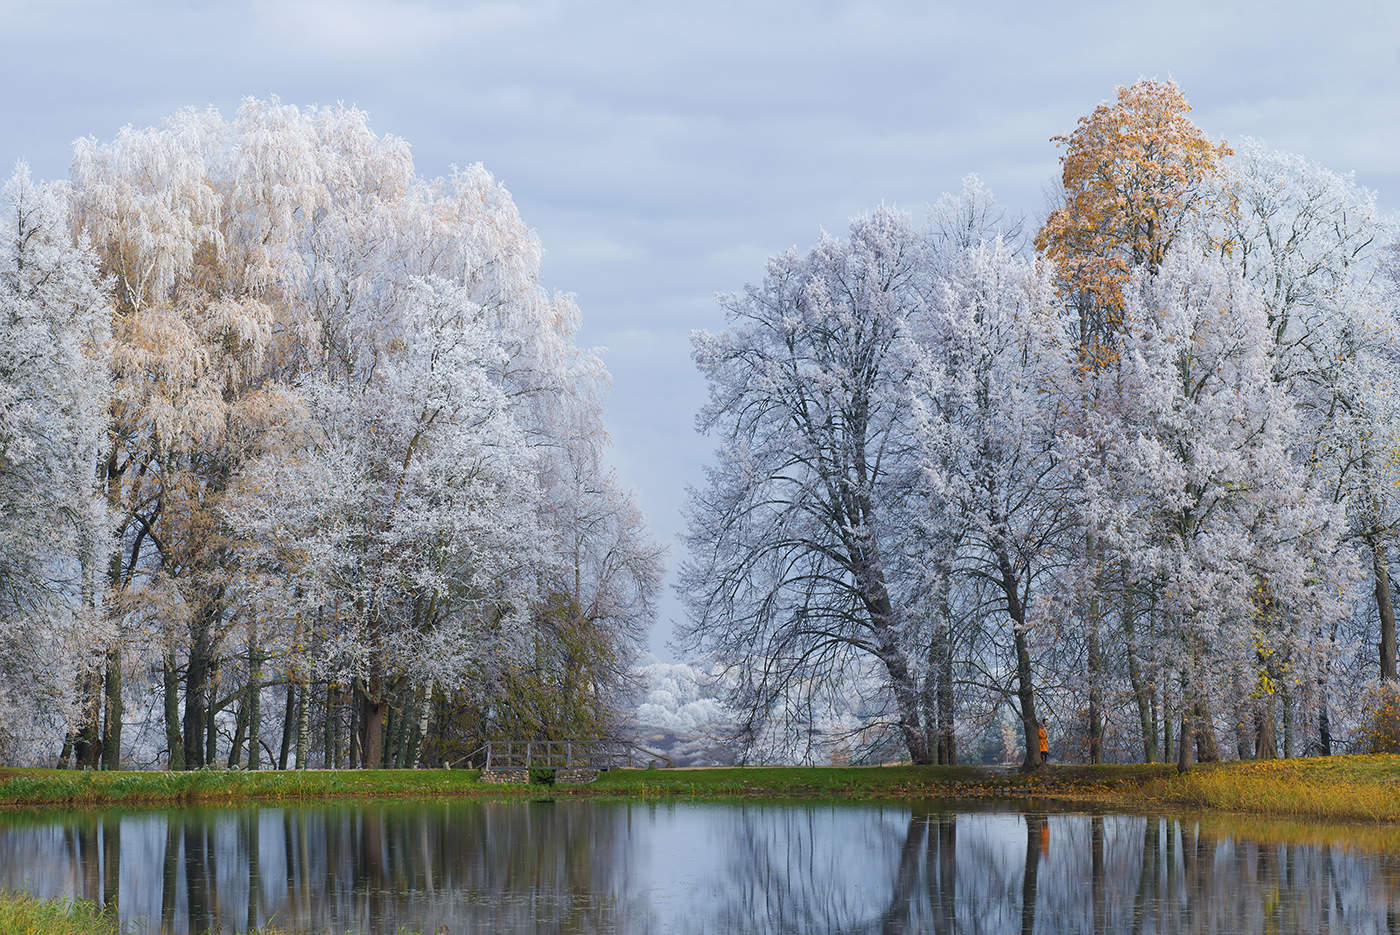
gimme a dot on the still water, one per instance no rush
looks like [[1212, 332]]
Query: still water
[[581, 866]]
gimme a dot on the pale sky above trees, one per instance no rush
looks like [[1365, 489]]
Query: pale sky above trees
[[663, 152]]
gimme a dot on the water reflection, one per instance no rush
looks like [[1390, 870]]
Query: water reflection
[[628, 867]]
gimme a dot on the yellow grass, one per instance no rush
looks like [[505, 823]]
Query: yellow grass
[[1354, 788]]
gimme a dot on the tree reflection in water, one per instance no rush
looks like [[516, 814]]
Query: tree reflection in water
[[582, 867]]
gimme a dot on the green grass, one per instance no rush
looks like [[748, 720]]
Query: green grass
[[863, 783], [25, 915], [34, 787], [1342, 787], [38, 787]]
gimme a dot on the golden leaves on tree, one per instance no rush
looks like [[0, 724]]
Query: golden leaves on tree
[[1133, 172]]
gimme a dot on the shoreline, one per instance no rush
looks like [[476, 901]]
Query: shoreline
[[1348, 788]]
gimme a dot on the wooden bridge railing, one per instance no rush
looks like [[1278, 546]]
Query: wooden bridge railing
[[562, 754]]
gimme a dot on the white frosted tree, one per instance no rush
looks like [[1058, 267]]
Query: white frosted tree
[[1199, 499], [795, 533], [195, 225], [1310, 241], [53, 524], [280, 283], [407, 527], [991, 355]]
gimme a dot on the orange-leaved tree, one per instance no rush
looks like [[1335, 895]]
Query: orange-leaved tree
[[1133, 172]]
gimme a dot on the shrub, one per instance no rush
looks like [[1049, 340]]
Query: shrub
[[1380, 731]]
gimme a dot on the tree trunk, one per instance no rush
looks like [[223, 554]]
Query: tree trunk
[[1185, 747], [405, 720], [174, 742], [87, 745], [1168, 715], [303, 725], [1147, 719], [1152, 722], [335, 707], [1142, 691], [420, 730], [211, 734], [254, 709], [391, 732], [1025, 687], [1095, 718], [356, 727], [1187, 739], [947, 740], [288, 724], [1265, 741], [240, 730], [889, 652], [197, 688], [375, 711], [112, 735], [1207, 749], [1025, 694], [1324, 721], [1287, 703], [1380, 568]]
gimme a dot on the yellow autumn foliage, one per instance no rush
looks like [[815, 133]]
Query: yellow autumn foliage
[[1133, 172]]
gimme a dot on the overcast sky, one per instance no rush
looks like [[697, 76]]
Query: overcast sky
[[663, 152]]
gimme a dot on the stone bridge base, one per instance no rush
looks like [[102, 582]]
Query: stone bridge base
[[563, 776], [574, 776]]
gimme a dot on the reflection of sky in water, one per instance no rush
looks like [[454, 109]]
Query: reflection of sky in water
[[572, 866]]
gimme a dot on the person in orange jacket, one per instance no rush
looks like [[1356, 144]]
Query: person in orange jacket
[[1044, 744]]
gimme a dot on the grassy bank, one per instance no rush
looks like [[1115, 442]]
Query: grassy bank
[[1346, 788], [860, 783], [25, 915], [1343, 787], [1353, 788], [49, 787], [40, 787]]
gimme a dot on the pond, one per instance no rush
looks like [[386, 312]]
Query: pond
[[595, 866]]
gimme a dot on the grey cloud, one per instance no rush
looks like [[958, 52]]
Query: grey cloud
[[663, 150]]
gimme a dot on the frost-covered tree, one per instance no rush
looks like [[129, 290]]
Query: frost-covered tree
[[596, 610], [1200, 503], [1309, 240], [991, 359], [289, 297], [194, 224], [407, 527], [54, 327], [1136, 174], [1159, 471], [795, 532]]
